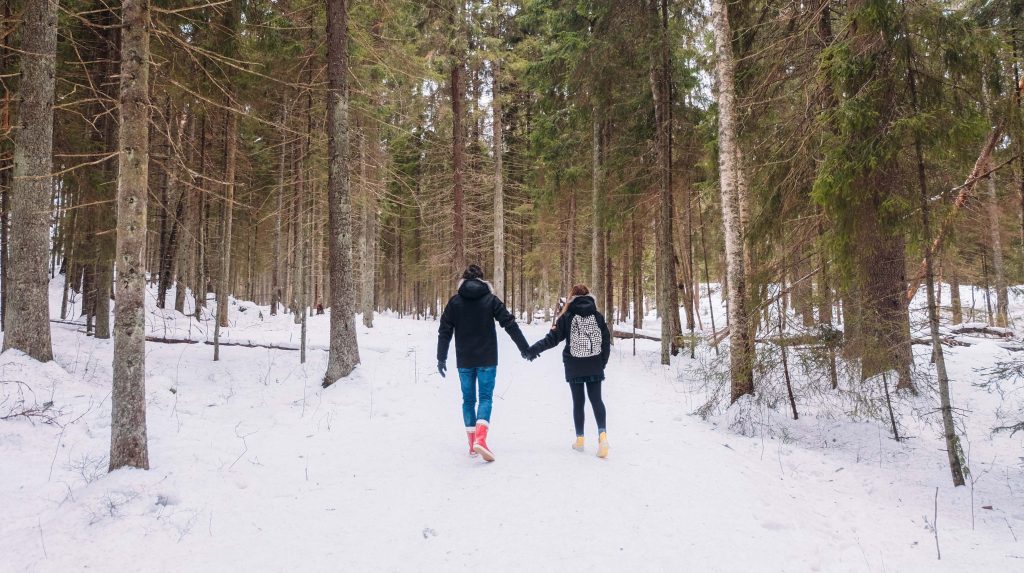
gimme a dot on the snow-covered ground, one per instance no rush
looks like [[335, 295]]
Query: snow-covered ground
[[254, 467]]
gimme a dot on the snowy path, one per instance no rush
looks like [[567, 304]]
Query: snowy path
[[255, 468]]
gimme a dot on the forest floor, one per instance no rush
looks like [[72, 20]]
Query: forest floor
[[254, 467]]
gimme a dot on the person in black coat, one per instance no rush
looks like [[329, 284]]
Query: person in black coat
[[587, 348], [470, 315]]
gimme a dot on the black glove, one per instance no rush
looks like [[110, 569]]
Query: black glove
[[441, 368], [529, 355]]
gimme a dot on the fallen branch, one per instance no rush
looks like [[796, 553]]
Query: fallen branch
[[18, 400]]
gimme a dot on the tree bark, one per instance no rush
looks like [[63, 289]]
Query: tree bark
[[499, 184], [597, 247], [28, 319], [668, 296], [998, 267], [128, 445], [458, 147], [275, 295], [344, 352], [6, 67], [199, 286], [954, 291], [741, 375], [638, 277], [224, 286], [953, 449]]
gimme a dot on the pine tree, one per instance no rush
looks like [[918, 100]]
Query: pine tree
[[344, 352], [128, 444], [27, 319]]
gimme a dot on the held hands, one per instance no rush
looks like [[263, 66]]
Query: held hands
[[530, 355], [441, 368]]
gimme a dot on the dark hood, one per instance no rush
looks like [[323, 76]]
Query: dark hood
[[583, 305], [473, 289]]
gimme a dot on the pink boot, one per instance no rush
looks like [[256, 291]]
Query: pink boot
[[480, 442], [471, 434]]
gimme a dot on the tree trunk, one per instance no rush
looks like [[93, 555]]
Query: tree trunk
[[597, 247], [369, 254], [28, 320], [569, 250], [199, 230], [954, 291], [668, 296], [638, 277], [128, 445], [224, 286], [187, 263], [6, 67], [275, 287], [1002, 299], [953, 449], [344, 352], [499, 184], [740, 357], [458, 148]]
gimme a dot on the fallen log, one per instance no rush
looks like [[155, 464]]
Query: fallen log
[[946, 341], [992, 331], [160, 340], [628, 335]]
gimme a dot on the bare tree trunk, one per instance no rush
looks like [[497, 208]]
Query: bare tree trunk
[[609, 282], [458, 147], [28, 320], [638, 277], [344, 351], [224, 286], [740, 359], [275, 295], [668, 296], [569, 267], [952, 441], [128, 445], [6, 67], [499, 183], [954, 291], [187, 264], [369, 254], [199, 287], [1002, 299], [597, 246], [624, 288]]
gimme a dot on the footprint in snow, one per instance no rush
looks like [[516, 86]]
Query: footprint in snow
[[428, 533]]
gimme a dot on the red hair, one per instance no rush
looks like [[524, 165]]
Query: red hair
[[576, 290]]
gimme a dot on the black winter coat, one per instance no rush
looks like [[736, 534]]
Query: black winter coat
[[578, 367], [470, 314]]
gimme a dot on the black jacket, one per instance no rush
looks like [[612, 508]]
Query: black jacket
[[470, 314], [578, 367]]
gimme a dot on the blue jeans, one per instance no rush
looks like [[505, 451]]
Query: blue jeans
[[469, 377]]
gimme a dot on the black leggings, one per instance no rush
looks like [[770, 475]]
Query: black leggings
[[578, 402]]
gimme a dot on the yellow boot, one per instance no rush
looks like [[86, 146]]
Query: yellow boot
[[578, 446], [602, 447]]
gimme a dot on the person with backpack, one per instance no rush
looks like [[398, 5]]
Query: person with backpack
[[470, 316], [587, 348]]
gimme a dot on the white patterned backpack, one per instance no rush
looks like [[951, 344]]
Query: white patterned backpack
[[584, 337]]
